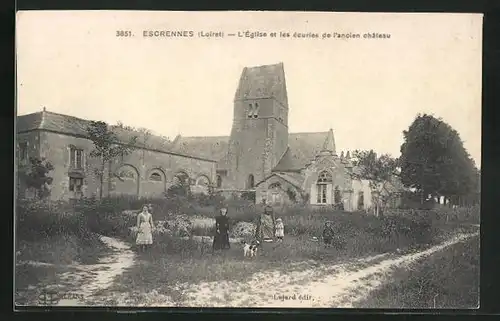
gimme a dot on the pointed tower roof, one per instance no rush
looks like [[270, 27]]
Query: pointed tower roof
[[329, 143], [267, 81]]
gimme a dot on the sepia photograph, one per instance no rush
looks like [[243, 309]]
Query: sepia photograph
[[247, 159]]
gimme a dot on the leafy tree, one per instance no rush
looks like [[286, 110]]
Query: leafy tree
[[378, 170], [107, 147], [434, 161], [35, 175]]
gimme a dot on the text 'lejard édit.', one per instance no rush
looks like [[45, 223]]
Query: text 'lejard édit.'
[[247, 34]]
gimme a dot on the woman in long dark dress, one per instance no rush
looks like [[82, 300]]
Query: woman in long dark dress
[[221, 237]]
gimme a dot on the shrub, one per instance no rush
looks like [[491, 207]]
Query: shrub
[[40, 219]]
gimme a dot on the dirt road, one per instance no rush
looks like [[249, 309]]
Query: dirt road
[[323, 286], [312, 285]]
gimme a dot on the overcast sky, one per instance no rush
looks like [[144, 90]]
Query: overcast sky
[[367, 90]]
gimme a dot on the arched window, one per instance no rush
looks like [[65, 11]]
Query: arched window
[[361, 200], [155, 177], [251, 181], [337, 197], [250, 110], [324, 179], [256, 111], [182, 178], [219, 181], [202, 181]]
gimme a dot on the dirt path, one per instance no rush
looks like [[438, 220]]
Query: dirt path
[[78, 287], [306, 284], [337, 286]]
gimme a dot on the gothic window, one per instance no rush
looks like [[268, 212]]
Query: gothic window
[[253, 110], [76, 158], [251, 181], [155, 177], [256, 110], [75, 184], [337, 197], [250, 110], [23, 151], [219, 181], [361, 200], [324, 179]]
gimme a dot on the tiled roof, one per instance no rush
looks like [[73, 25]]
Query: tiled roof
[[76, 126], [303, 147], [263, 82], [213, 147]]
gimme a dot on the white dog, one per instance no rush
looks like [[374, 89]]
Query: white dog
[[250, 249]]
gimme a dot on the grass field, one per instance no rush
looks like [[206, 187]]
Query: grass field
[[60, 234], [448, 279]]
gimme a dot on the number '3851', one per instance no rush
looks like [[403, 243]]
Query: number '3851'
[[122, 33]]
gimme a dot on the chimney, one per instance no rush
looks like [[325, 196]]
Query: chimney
[[44, 108]]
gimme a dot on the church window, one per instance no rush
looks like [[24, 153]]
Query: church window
[[256, 111], [219, 181], [250, 111], [361, 200], [321, 193], [253, 111], [324, 179]]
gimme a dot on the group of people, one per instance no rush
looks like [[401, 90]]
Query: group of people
[[267, 229]]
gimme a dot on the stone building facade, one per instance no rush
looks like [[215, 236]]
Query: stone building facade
[[261, 155], [147, 172]]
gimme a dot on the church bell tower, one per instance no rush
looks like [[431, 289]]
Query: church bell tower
[[259, 134]]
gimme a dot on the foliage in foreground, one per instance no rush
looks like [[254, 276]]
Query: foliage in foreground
[[360, 233]]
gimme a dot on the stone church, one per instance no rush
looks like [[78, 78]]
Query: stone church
[[261, 154]]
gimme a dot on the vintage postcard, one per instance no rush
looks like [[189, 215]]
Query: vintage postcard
[[248, 159]]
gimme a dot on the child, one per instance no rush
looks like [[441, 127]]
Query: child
[[280, 230], [328, 234]]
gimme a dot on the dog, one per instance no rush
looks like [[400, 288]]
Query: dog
[[250, 249]]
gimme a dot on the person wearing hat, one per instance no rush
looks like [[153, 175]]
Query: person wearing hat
[[221, 237]]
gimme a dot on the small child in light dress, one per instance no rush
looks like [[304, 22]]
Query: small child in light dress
[[280, 230]]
